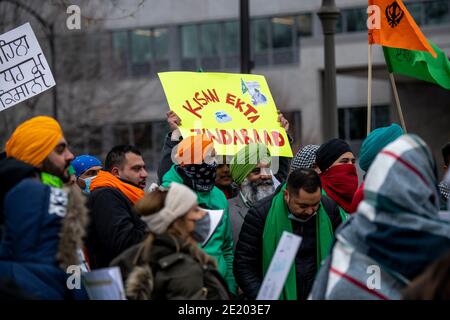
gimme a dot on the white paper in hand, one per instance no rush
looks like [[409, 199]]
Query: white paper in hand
[[215, 218], [279, 267], [104, 284]]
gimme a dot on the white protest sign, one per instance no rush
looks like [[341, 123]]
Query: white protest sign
[[104, 284], [215, 218], [24, 72], [279, 267]]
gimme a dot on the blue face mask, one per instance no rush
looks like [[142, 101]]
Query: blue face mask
[[87, 182], [201, 230]]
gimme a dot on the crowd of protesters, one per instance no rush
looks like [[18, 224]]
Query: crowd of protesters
[[58, 210]]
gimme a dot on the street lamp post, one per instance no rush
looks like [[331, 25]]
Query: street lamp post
[[328, 14]]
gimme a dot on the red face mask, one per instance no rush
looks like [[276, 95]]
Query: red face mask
[[340, 183]]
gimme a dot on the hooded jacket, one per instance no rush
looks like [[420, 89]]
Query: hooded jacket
[[43, 228], [172, 272]]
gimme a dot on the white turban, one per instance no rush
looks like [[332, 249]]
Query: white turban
[[178, 201]]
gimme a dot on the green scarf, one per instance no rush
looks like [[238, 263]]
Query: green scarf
[[277, 221]]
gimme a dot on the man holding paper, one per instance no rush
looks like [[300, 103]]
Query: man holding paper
[[297, 207]]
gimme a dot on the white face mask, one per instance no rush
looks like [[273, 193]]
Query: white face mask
[[87, 183]]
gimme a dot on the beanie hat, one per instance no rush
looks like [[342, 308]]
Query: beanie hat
[[178, 201], [330, 151]]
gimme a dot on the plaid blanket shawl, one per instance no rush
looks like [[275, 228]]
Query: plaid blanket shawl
[[396, 232]]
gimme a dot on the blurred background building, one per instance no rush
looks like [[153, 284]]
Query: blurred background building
[[108, 91]]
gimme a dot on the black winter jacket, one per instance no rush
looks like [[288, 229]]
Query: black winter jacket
[[248, 255], [113, 228]]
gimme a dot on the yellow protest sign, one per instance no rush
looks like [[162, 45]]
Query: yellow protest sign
[[232, 109]]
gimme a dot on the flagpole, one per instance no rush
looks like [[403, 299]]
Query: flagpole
[[397, 101], [369, 90]]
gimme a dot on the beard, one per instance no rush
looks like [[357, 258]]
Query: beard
[[257, 190], [49, 167]]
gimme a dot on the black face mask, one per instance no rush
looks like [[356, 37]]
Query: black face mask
[[200, 177]]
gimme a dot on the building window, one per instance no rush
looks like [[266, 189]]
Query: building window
[[189, 43], [437, 12], [160, 41], [120, 52], [210, 43], [140, 51], [282, 32], [356, 20], [304, 25], [231, 44], [417, 12], [353, 121], [259, 38]]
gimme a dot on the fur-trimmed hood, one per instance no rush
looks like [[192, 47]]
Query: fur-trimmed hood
[[73, 228]]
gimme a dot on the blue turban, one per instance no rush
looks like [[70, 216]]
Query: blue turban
[[375, 141], [83, 163]]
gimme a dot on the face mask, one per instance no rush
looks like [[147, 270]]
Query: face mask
[[200, 177], [87, 182], [201, 230], [293, 217]]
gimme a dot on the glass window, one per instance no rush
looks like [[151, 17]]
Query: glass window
[[189, 40], [381, 117], [356, 19], [140, 46], [95, 140], [304, 25], [120, 45], [210, 39], [282, 32], [342, 123], [340, 23], [353, 121], [160, 43], [437, 12], [121, 134], [357, 121], [415, 9], [260, 34], [142, 136], [231, 38]]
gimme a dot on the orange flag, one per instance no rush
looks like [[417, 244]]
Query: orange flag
[[396, 28]]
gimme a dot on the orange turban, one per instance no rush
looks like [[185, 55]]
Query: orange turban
[[34, 140], [193, 149]]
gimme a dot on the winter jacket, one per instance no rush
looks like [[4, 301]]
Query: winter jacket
[[43, 228], [114, 226], [12, 171], [166, 162], [220, 245], [170, 272], [248, 256]]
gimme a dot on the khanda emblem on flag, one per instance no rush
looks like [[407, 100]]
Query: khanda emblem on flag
[[403, 55], [394, 14]]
